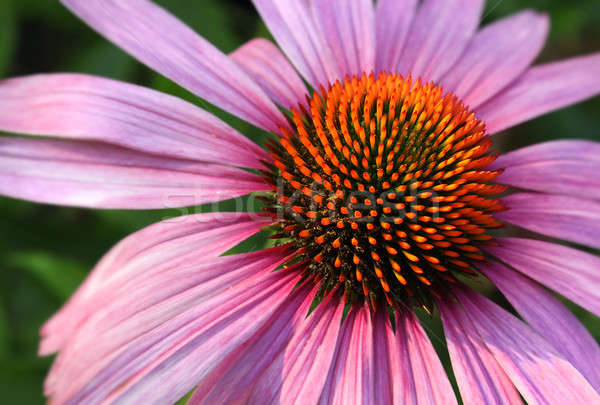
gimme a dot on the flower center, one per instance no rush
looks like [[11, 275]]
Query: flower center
[[382, 188]]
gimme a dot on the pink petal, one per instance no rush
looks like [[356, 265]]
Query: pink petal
[[267, 66], [430, 384], [393, 19], [349, 29], [533, 365], [408, 370], [542, 89], [244, 372], [171, 48], [497, 55], [96, 175], [562, 217], [568, 271], [389, 376], [550, 318], [559, 167], [439, 34], [351, 376], [156, 248], [294, 29], [173, 329], [92, 108], [480, 378]]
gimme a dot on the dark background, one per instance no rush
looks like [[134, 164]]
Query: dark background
[[46, 251]]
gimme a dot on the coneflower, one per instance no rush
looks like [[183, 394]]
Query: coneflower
[[379, 185]]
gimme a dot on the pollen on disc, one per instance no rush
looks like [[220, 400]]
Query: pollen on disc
[[383, 187]]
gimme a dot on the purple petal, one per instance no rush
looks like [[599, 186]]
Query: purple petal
[[393, 19], [416, 375], [568, 271], [540, 373], [300, 372], [156, 248], [168, 46], [439, 34], [542, 89], [267, 66], [349, 29], [497, 55], [92, 108], [294, 29], [282, 366], [352, 372], [550, 318], [173, 329], [562, 217], [559, 167], [90, 174], [415, 364], [480, 378]]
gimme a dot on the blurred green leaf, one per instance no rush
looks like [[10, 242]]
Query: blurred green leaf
[[61, 276], [7, 34], [105, 59], [4, 333], [210, 19]]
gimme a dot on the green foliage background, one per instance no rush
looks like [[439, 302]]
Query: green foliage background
[[46, 251]]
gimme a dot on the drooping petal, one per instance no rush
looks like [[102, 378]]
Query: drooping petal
[[568, 271], [390, 377], [559, 167], [294, 29], [550, 318], [542, 89], [539, 372], [290, 367], [559, 216], [268, 67], [480, 378], [393, 19], [156, 248], [352, 371], [440, 32], [413, 373], [173, 329], [97, 109], [96, 175], [348, 27], [168, 46], [496, 56], [299, 374]]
